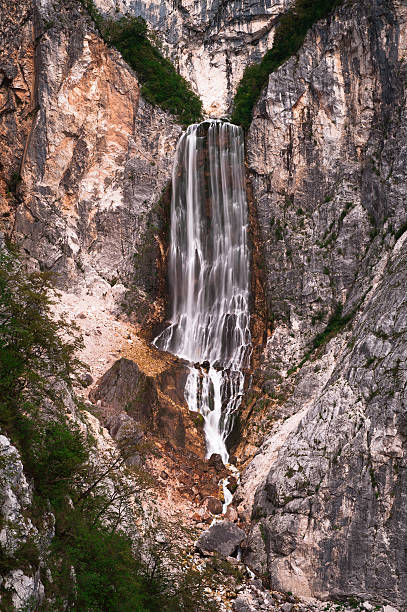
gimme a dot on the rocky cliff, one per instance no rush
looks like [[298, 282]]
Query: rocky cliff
[[89, 159], [209, 42], [84, 194], [84, 191], [326, 155]]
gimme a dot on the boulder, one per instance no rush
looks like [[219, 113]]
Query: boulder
[[122, 427], [125, 388], [231, 514], [232, 484], [214, 505], [242, 605], [86, 380], [223, 538], [216, 462]]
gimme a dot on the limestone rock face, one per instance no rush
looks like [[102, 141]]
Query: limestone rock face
[[16, 95], [89, 159], [323, 190], [83, 177], [211, 43], [327, 159], [18, 588]]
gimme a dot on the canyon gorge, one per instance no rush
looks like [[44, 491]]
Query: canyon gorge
[[240, 296]]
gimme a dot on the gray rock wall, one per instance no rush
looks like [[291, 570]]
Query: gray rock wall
[[21, 587], [94, 158], [327, 159], [327, 163], [209, 42]]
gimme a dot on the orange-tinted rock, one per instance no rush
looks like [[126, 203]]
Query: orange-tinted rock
[[231, 514], [216, 462], [124, 388], [154, 402]]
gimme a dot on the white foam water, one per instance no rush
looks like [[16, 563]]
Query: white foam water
[[209, 275]]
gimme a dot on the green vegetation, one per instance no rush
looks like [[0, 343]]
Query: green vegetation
[[335, 324], [289, 37], [93, 562], [162, 85], [14, 182], [35, 351], [401, 231]]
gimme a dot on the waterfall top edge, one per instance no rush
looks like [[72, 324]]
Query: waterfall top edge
[[211, 121]]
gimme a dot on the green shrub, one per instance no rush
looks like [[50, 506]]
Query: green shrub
[[335, 324], [162, 85], [108, 576], [91, 564], [289, 37], [14, 182], [55, 455], [36, 350], [400, 232]]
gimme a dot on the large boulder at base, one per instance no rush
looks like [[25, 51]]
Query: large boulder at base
[[223, 538], [216, 462], [125, 388]]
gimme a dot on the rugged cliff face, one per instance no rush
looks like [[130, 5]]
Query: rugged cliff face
[[326, 154], [84, 190], [89, 159], [85, 177], [210, 42], [84, 193]]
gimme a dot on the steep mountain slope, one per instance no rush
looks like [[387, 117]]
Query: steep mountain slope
[[84, 191], [327, 158]]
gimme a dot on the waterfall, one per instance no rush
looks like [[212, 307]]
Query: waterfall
[[209, 274]]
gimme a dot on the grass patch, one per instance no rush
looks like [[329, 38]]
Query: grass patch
[[335, 324], [289, 37], [161, 84]]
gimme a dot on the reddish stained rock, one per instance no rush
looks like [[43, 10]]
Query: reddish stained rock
[[216, 462], [214, 505], [231, 514], [156, 403]]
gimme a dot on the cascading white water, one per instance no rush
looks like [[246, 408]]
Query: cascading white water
[[209, 274]]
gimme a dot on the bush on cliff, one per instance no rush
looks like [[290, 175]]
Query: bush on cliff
[[289, 37], [37, 362], [162, 85]]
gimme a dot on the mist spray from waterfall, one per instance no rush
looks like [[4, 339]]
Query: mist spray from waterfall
[[209, 275]]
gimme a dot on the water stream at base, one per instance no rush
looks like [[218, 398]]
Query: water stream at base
[[209, 275]]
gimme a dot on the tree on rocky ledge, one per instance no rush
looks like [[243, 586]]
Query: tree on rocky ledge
[[94, 561]]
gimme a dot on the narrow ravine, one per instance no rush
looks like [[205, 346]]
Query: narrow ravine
[[209, 268]]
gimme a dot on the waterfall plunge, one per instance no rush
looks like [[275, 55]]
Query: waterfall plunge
[[209, 274]]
